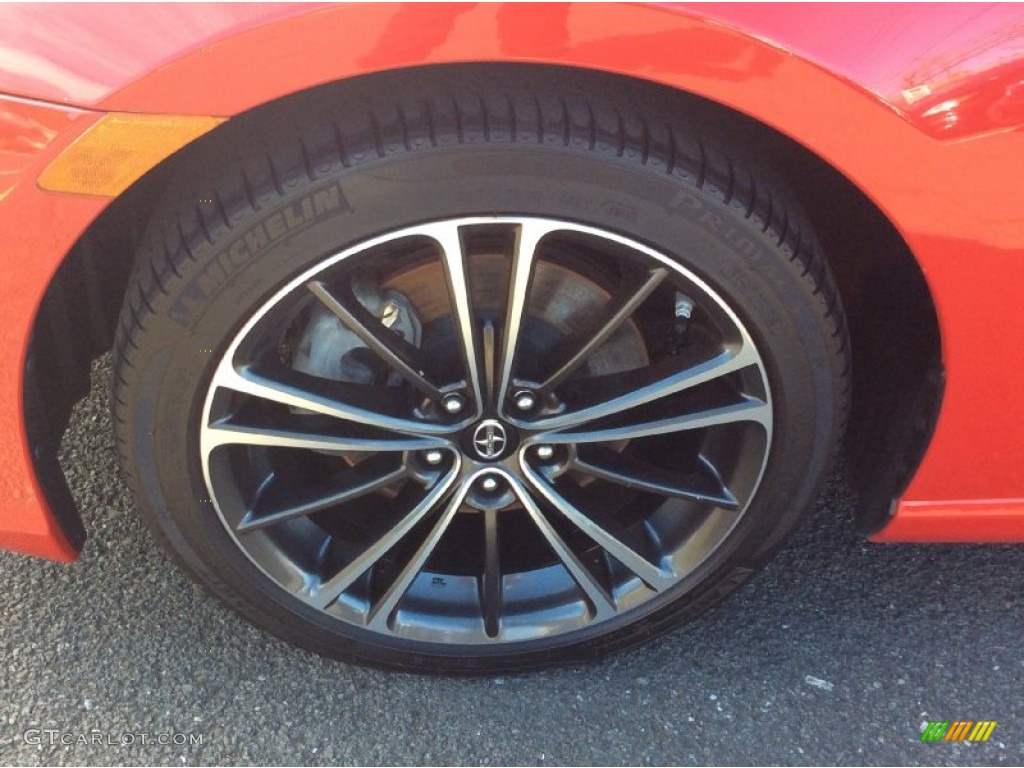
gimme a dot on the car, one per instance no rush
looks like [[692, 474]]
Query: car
[[482, 337]]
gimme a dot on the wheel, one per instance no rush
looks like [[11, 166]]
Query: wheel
[[468, 383]]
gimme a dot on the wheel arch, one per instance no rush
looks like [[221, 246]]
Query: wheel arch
[[99, 267]]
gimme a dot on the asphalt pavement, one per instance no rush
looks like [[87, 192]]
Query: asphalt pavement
[[838, 653]]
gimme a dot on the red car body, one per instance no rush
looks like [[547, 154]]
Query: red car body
[[921, 108]]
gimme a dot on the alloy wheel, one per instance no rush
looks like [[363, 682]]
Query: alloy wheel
[[487, 431]]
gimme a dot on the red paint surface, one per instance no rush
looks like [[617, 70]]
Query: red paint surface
[[36, 229], [961, 521], [26, 129], [920, 106]]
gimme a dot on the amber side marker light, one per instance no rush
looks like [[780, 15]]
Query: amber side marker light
[[119, 148]]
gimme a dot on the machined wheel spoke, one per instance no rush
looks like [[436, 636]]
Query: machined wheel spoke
[[460, 294], [490, 586], [227, 433], [625, 395], [374, 406], [749, 409], [701, 484], [329, 590], [601, 601], [489, 362], [649, 573], [576, 349], [398, 354], [528, 237], [380, 613], [278, 501]]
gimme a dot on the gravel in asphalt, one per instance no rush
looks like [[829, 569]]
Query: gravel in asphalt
[[837, 654]]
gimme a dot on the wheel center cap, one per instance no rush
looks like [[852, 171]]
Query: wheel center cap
[[490, 440]]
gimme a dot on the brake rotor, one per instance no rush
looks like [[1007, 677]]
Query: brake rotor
[[561, 298]]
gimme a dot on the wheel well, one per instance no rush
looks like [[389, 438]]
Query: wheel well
[[898, 376], [892, 320]]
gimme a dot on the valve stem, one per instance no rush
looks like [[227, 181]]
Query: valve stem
[[684, 311]]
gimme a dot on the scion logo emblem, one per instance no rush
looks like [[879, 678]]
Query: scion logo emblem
[[489, 439]]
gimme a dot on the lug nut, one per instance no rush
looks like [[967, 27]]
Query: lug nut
[[545, 452], [489, 484], [433, 457], [452, 403], [524, 400]]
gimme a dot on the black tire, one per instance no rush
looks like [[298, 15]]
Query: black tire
[[306, 180]]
